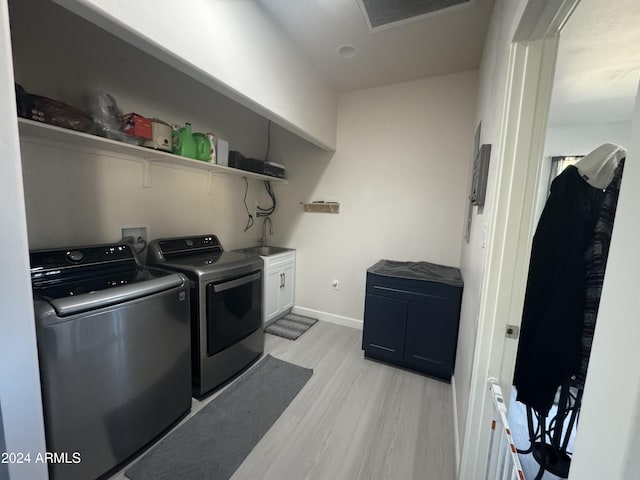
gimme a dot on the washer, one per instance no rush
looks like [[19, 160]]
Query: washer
[[226, 297], [114, 351]]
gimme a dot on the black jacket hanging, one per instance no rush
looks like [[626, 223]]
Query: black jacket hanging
[[596, 256], [549, 347]]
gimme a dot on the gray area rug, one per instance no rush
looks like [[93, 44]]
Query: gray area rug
[[215, 441], [291, 326]]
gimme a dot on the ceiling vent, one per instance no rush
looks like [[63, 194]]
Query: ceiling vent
[[383, 14]]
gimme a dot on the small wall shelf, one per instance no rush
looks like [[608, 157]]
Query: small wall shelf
[[44, 134], [322, 207]]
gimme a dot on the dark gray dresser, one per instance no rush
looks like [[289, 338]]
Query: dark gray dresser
[[411, 315]]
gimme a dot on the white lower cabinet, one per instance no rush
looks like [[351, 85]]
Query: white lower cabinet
[[272, 294], [279, 291]]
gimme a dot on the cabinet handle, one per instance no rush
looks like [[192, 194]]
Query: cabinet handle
[[284, 280], [281, 280]]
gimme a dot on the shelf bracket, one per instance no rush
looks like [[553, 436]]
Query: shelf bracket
[[146, 173], [321, 207], [209, 182]]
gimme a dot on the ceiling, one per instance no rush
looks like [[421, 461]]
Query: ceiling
[[598, 65], [597, 71], [448, 41]]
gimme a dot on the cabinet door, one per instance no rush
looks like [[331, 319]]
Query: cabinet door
[[384, 327], [288, 284], [430, 344], [272, 294]]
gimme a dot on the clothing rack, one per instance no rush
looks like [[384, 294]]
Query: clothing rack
[[549, 440]]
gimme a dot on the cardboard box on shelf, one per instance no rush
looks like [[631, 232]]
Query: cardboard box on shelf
[[136, 125]]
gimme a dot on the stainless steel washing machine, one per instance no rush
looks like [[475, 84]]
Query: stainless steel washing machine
[[114, 352]]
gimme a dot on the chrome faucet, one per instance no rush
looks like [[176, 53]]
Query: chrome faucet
[[264, 231]]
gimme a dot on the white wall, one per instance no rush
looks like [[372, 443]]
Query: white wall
[[400, 172], [20, 383], [492, 82], [231, 46], [80, 198], [582, 139], [607, 442]]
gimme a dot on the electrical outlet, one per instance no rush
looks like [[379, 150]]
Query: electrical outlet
[[139, 234], [335, 285]]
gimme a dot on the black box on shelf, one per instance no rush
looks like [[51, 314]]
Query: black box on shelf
[[274, 169], [237, 160]]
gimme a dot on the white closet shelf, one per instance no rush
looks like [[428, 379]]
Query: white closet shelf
[[43, 133]]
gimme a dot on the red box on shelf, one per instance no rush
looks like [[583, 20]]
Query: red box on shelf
[[136, 125]]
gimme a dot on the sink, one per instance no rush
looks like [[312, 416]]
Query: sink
[[266, 251]]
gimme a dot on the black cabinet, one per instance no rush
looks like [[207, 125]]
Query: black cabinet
[[411, 317], [385, 326]]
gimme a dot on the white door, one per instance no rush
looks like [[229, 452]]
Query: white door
[[288, 282], [273, 282]]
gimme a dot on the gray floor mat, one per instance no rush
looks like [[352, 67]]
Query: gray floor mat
[[215, 441], [291, 326]]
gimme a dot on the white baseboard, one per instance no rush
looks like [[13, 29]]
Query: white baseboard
[[329, 317], [456, 437]]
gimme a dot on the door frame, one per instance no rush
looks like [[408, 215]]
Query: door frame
[[530, 74]]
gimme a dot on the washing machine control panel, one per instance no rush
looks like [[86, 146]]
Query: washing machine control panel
[[190, 244], [42, 261]]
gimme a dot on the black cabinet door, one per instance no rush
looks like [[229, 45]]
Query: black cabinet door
[[430, 340], [384, 327]]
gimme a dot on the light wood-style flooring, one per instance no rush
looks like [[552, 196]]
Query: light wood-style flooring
[[354, 419]]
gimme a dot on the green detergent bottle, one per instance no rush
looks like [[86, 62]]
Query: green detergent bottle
[[203, 147], [183, 143]]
